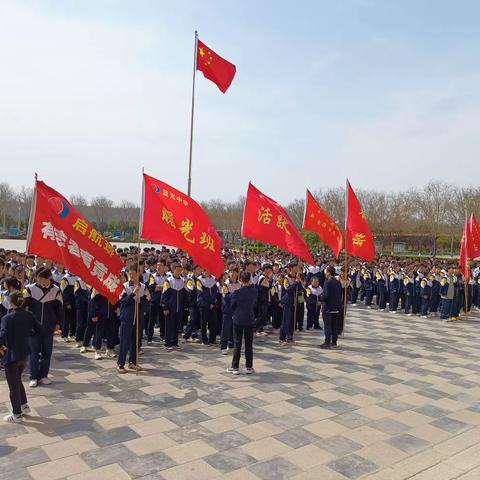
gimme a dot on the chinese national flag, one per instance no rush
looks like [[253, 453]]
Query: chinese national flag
[[465, 250], [359, 236], [317, 220], [265, 220], [58, 232], [173, 218], [214, 67], [474, 237]]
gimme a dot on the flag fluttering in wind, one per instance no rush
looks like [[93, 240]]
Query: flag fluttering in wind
[[466, 249], [214, 67], [170, 217], [58, 232], [359, 238], [267, 221], [474, 237], [317, 220]]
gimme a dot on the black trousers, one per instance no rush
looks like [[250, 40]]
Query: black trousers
[[81, 323], [332, 325], [239, 333], [263, 317], [173, 322], [300, 316], [208, 319], [313, 316], [69, 325], [155, 318], [193, 323], [13, 373], [41, 349]]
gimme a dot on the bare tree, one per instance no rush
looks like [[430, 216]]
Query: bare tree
[[7, 200], [24, 201], [296, 210], [432, 203], [127, 215], [102, 209]]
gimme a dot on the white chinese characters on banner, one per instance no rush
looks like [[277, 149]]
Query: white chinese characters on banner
[[99, 270]]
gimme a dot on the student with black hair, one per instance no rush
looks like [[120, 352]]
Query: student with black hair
[[8, 286], [243, 303], [44, 300], [15, 330]]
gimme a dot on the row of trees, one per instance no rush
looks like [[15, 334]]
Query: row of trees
[[429, 213]]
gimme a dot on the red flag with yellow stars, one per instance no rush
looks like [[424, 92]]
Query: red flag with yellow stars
[[214, 67], [359, 238], [170, 217], [267, 221], [317, 220]]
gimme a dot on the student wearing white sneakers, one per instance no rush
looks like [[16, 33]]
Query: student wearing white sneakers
[[243, 303], [15, 329], [44, 300]]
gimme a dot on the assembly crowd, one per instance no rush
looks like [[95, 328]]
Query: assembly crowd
[[164, 290]]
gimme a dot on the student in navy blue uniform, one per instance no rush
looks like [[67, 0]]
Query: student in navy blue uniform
[[173, 304], [101, 325], [69, 326], [314, 302], [193, 325], [243, 305], [156, 316], [331, 309], [409, 291], [300, 311], [381, 282], [291, 288], [356, 284], [276, 306], [82, 294], [264, 292], [132, 307], [368, 288], [229, 287], [435, 302], [459, 294], [394, 287], [207, 293], [426, 295], [7, 287], [417, 294], [447, 294], [15, 331], [44, 300]]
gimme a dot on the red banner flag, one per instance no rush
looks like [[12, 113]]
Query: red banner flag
[[465, 250], [214, 67], [265, 220], [58, 232], [173, 218], [359, 236], [474, 237], [317, 220]]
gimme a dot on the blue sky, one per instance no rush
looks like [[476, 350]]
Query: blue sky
[[384, 92]]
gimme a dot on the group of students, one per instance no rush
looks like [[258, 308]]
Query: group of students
[[259, 294], [427, 289]]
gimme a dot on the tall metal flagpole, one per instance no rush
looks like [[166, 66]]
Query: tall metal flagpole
[[189, 188], [346, 263]]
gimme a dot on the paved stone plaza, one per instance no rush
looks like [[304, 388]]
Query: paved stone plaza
[[400, 399]]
